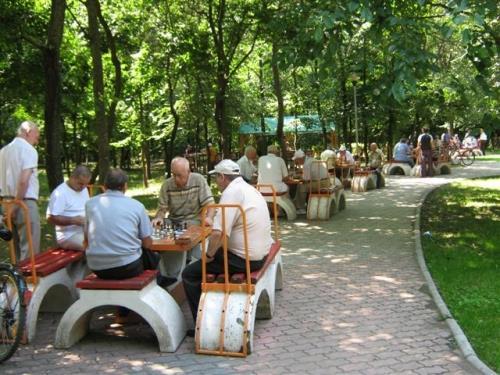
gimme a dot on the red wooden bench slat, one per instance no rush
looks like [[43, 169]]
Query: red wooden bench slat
[[133, 283], [50, 261], [270, 194], [239, 278]]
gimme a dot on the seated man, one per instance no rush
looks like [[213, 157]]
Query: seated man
[[273, 170], [66, 209], [314, 174], [402, 152], [234, 191], [183, 196], [118, 232], [330, 157], [248, 170], [375, 161], [345, 163]]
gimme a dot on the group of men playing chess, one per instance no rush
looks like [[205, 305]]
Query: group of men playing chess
[[116, 232]]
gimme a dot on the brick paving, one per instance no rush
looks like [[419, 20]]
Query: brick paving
[[354, 302]]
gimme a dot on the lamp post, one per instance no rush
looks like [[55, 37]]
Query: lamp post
[[354, 79]]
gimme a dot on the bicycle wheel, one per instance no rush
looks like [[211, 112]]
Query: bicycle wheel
[[454, 157], [12, 310], [468, 157]]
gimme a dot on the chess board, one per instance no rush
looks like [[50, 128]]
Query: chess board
[[179, 240]]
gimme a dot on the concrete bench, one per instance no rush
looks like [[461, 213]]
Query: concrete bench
[[282, 200], [325, 203], [396, 167], [365, 180], [229, 306], [51, 283], [140, 294]]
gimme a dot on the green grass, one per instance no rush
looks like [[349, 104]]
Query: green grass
[[463, 256]]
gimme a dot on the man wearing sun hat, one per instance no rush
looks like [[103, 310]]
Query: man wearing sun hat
[[234, 191]]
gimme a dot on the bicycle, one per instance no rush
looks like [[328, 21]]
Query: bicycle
[[464, 156], [12, 305]]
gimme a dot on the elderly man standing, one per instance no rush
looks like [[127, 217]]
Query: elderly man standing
[[247, 166], [19, 180], [234, 191], [375, 161], [66, 209], [315, 176], [273, 170]]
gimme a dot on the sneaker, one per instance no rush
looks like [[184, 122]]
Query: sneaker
[[301, 211]]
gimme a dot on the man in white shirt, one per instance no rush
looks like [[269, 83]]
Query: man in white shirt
[[19, 180], [248, 170], [313, 173], [234, 191], [66, 209], [273, 170]]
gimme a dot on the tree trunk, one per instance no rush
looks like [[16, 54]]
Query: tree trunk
[[173, 111], [53, 124], [98, 88], [279, 98], [117, 83]]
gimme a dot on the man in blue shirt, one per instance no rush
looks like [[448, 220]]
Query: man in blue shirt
[[118, 231], [402, 152]]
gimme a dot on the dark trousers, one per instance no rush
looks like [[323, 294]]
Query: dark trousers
[[427, 168], [379, 177], [191, 276], [482, 146], [148, 261]]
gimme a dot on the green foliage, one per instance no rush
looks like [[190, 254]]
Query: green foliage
[[463, 256], [418, 63]]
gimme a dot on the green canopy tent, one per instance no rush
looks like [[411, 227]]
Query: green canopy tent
[[293, 125]]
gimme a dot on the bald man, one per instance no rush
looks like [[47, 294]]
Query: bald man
[[248, 170], [19, 180], [182, 197]]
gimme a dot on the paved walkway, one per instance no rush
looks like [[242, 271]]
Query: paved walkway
[[354, 302]]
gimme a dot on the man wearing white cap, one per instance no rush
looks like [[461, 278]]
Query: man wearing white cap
[[312, 173], [345, 164], [273, 170], [258, 227]]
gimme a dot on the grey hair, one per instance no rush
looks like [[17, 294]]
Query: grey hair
[[273, 149], [250, 149], [26, 127], [180, 161], [81, 171], [115, 179]]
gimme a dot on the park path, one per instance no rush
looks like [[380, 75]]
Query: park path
[[354, 302]]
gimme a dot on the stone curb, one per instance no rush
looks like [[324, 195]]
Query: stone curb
[[458, 334]]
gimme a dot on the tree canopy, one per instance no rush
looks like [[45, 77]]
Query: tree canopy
[[122, 82]]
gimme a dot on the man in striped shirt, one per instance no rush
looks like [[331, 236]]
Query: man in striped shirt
[[183, 196]]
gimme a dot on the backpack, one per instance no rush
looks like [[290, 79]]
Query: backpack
[[425, 142]]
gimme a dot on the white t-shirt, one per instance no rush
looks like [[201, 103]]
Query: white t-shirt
[[311, 170], [17, 156], [272, 170], [257, 218], [64, 201], [483, 136], [247, 169], [349, 159]]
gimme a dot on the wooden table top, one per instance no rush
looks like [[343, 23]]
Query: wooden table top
[[185, 242]]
